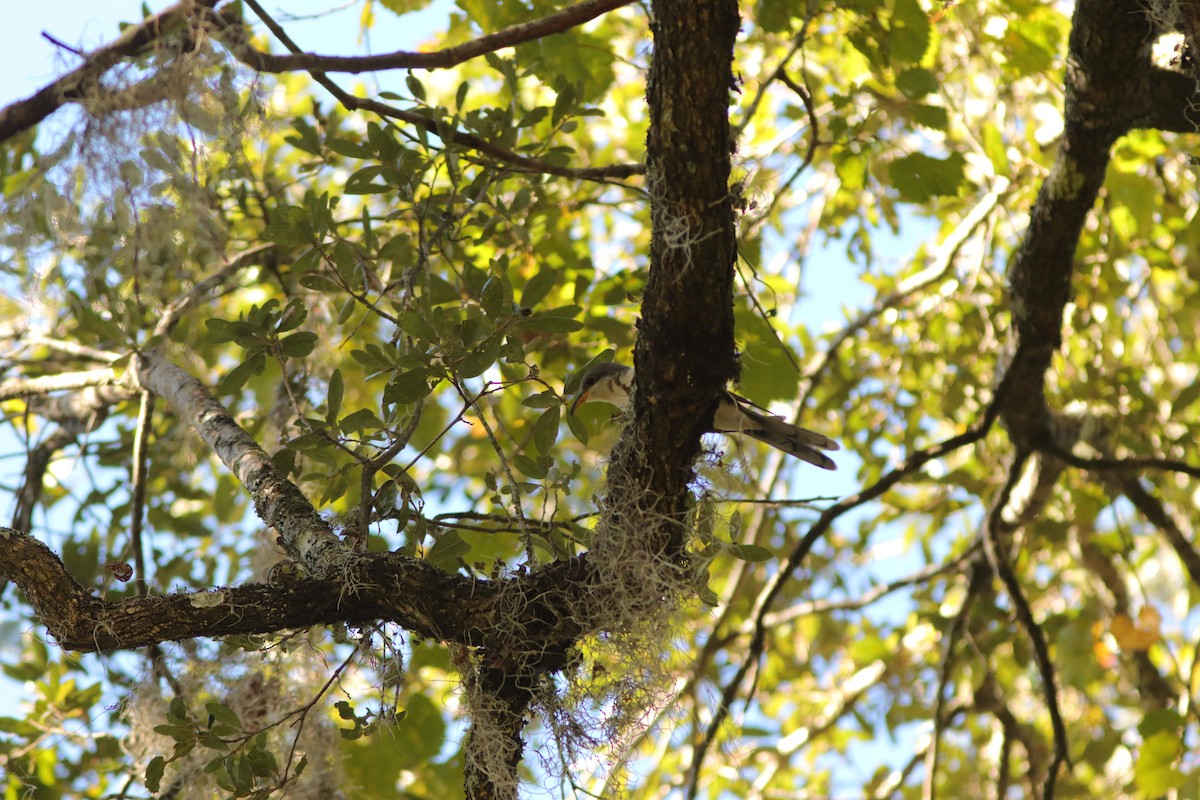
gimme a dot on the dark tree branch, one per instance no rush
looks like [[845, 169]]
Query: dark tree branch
[[684, 354], [1108, 73], [1003, 570], [133, 41], [558, 22]]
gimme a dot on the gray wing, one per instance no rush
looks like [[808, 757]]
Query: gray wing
[[737, 417]]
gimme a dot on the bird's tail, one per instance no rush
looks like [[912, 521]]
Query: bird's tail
[[800, 442]]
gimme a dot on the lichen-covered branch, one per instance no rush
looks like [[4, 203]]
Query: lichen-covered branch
[[279, 503]]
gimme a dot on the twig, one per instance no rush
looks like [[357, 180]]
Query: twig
[[137, 503], [942, 264], [62, 45], [71, 348], [1131, 463], [876, 593], [814, 125], [975, 586], [1003, 570]]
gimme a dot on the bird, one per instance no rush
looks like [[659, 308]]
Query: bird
[[610, 382]]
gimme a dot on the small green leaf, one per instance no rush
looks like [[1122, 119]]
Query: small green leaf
[[236, 378], [916, 82], [333, 399], [408, 387], [361, 420], [414, 86], [538, 287], [541, 400], [293, 317], [578, 429], [478, 359], [750, 552], [496, 298], [919, 177], [536, 469], [545, 430], [416, 326], [446, 551], [154, 773], [298, 345], [548, 323]]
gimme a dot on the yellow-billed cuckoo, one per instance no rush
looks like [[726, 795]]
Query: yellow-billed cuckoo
[[613, 383]]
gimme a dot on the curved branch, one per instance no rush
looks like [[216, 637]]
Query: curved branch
[[1108, 72], [558, 22], [1041, 651], [417, 595], [25, 114]]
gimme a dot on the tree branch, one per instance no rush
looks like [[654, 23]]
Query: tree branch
[[24, 114], [303, 533], [558, 22], [62, 381]]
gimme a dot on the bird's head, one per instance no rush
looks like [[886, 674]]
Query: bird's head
[[605, 382]]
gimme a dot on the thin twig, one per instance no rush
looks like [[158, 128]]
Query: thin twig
[[137, 503], [1024, 614]]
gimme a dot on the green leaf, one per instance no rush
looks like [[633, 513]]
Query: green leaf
[[154, 773], [414, 86], [298, 345], [578, 429], [916, 82], [236, 378], [534, 468], [1155, 771], [548, 323], [545, 430], [541, 400], [1185, 398], [447, 549], [416, 326], [408, 387], [909, 32], [537, 287], [333, 398], [346, 147], [919, 178], [750, 552], [361, 420], [478, 359], [496, 298]]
